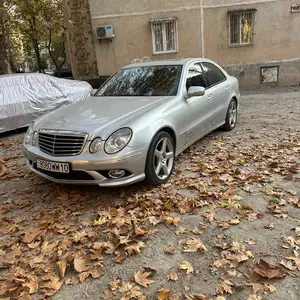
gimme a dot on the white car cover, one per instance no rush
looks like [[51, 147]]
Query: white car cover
[[27, 96]]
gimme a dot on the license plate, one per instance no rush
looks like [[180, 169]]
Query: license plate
[[53, 166]]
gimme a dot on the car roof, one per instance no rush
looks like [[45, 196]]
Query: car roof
[[168, 62]]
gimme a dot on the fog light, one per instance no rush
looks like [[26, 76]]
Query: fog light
[[116, 174]]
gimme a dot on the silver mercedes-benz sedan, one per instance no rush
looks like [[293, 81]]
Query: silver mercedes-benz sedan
[[135, 124]]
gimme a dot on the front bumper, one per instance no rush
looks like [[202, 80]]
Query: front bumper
[[88, 169]]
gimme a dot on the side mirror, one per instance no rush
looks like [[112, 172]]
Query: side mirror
[[195, 91]]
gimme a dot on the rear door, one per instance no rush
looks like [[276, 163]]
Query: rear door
[[218, 90]]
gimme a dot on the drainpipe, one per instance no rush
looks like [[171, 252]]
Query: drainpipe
[[202, 28]]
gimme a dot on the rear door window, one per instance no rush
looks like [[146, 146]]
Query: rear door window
[[213, 74]]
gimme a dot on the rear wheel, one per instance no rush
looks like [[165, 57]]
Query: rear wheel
[[160, 159], [231, 117]]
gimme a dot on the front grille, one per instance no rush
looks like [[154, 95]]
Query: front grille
[[61, 143]]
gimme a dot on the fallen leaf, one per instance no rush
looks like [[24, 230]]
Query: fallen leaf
[[96, 254], [142, 278], [125, 287], [170, 249], [221, 263], [80, 263], [30, 234], [51, 285], [173, 276], [264, 269], [180, 230], [254, 297], [107, 295], [62, 265], [198, 297], [83, 276], [114, 284], [153, 221], [193, 245], [296, 202], [32, 284], [135, 249], [223, 224], [252, 217], [250, 242], [100, 221], [169, 220], [224, 287], [274, 193], [139, 231], [269, 288], [209, 216], [197, 231], [121, 256], [34, 245], [288, 264], [185, 265], [296, 261], [293, 193], [269, 226], [72, 281], [234, 221], [163, 294], [97, 271]]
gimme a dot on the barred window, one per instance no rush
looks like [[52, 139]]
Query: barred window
[[164, 36], [241, 28]]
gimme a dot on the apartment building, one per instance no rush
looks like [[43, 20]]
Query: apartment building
[[258, 41]]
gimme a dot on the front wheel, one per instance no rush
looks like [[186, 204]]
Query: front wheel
[[160, 159], [231, 117]]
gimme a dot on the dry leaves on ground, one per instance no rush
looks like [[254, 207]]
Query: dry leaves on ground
[[266, 270]]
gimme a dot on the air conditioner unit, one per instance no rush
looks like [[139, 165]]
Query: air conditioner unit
[[105, 32]]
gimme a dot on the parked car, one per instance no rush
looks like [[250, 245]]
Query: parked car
[[135, 124], [63, 73], [49, 72], [25, 97]]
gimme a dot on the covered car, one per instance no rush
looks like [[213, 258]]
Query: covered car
[[25, 97]]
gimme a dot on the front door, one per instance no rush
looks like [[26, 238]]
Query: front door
[[199, 110]]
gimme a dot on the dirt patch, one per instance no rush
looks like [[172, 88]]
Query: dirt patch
[[233, 201]]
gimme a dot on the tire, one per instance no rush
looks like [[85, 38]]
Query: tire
[[160, 160], [231, 116]]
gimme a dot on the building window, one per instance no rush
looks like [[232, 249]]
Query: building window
[[241, 28], [164, 36]]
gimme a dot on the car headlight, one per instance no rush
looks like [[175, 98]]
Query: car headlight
[[118, 140], [35, 138], [95, 145], [29, 135]]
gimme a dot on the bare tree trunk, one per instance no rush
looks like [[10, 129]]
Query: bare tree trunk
[[35, 43], [4, 64], [55, 62]]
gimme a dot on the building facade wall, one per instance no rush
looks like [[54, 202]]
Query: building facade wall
[[203, 25], [80, 39], [133, 37]]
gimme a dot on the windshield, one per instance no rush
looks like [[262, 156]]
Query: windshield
[[143, 81]]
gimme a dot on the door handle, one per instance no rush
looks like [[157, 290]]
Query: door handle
[[210, 96], [227, 88]]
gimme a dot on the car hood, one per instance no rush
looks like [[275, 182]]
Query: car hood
[[99, 116]]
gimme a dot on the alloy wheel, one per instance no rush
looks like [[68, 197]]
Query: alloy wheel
[[163, 159], [232, 114]]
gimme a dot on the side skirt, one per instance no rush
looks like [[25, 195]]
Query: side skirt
[[198, 138]]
